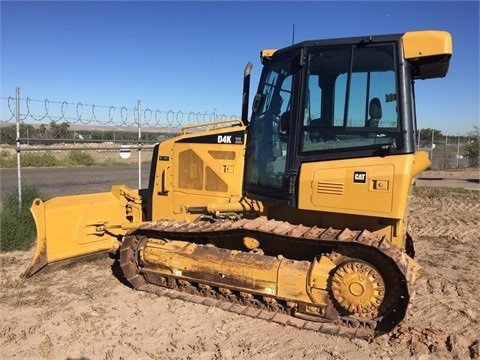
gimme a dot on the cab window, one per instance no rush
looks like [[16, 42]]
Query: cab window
[[350, 100]]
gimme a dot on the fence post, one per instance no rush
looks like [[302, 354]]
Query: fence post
[[432, 147], [458, 149], [17, 120], [445, 152], [139, 144]]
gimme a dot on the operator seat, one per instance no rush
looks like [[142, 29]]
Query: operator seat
[[374, 112]]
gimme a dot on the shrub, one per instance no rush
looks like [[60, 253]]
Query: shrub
[[472, 148], [7, 160], [29, 159], [80, 158], [17, 227]]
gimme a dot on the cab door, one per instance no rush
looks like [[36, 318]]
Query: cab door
[[268, 157]]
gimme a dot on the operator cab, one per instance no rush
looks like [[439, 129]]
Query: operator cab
[[336, 99]]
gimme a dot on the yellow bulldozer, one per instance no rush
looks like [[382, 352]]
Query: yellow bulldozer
[[295, 214]]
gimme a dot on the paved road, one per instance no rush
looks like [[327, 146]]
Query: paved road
[[467, 179], [469, 184], [69, 181]]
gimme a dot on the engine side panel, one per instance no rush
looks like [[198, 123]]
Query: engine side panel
[[196, 169]]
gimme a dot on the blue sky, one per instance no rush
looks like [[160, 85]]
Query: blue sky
[[190, 56]]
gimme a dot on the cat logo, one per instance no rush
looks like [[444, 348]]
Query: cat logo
[[360, 177], [224, 139]]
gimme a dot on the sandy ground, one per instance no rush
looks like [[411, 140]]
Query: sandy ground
[[86, 311]]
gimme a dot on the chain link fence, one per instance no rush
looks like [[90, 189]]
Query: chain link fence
[[66, 148], [446, 152]]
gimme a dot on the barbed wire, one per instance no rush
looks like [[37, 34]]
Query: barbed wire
[[40, 111]]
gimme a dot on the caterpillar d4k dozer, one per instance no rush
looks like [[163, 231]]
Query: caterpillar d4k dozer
[[295, 215]]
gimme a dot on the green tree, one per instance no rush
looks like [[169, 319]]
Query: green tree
[[28, 131], [471, 149], [8, 134], [59, 131], [43, 131], [426, 134]]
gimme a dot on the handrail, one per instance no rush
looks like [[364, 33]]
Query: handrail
[[213, 125]]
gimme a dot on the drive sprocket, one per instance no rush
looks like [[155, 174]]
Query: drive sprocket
[[358, 288]]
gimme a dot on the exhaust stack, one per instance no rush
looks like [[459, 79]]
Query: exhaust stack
[[246, 92]]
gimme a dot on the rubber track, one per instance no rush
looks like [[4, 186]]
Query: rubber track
[[343, 326]]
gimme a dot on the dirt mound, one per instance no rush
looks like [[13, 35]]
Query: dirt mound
[[433, 342]]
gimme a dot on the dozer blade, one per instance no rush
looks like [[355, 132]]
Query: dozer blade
[[75, 227]]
